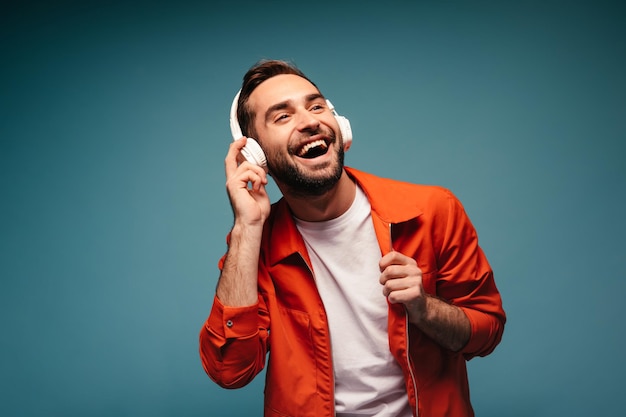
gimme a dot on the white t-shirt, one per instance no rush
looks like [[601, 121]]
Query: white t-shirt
[[345, 255]]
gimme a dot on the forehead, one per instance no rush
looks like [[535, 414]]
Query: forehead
[[278, 89]]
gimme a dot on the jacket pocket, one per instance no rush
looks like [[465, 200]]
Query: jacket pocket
[[291, 384]]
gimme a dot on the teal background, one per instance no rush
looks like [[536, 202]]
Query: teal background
[[114, 126]]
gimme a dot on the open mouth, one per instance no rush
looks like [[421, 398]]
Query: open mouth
[[313, 149]]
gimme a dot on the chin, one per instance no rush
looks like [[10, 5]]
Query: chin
[[306, 180]]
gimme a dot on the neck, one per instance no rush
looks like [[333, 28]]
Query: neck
[[327, 206]]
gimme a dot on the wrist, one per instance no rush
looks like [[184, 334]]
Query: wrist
[[243, 229], [419, 311]]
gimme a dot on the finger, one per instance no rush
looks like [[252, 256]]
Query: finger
[[247, 176], [404, 289], [394, 285], [234, 161], [392, 272], [234, 150], [404, 296], [395, 258], [400, 285], [257, 178]]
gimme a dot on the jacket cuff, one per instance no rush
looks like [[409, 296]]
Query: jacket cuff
[[485, 334], [233, 322]]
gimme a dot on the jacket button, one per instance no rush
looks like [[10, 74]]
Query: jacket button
[[229, 323]]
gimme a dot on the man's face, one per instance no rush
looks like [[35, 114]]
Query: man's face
[[298, 133]]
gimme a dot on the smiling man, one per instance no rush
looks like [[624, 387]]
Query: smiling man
[[304, 155], [365, 296]]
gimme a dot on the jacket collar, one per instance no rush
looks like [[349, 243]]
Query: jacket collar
[[390, 200]]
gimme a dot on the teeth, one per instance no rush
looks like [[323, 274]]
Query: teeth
[[310, 146]]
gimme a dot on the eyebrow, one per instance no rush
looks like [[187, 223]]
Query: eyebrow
[[284, 104]]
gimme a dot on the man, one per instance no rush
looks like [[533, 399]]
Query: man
[[368, 294]]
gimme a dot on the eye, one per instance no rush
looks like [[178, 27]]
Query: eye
[[281, 116], [317, 107]]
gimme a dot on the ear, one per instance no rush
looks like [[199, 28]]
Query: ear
[[344, 126], [252, 151]]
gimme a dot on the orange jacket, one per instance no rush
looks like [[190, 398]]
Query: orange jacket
[[425, 222]]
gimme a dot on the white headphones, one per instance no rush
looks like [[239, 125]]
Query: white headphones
[[253, 152]]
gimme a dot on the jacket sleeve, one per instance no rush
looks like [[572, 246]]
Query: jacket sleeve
[[466, 279], [234, 343]]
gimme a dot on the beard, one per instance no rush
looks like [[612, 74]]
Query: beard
[[310, 181]]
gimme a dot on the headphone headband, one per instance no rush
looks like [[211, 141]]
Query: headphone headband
[[235, 129]]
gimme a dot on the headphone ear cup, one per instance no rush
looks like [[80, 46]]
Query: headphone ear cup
[[346, 131]]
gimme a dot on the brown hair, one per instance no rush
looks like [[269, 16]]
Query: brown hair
[[261, 71]]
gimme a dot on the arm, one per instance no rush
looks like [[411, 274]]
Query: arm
[[233, 341], [466, 312], [465, 278], [237, 285]]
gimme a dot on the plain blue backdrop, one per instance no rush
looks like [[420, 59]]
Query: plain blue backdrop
[[114, 126]]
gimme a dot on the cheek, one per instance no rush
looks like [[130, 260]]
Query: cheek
[[273, 152], [277, 159]]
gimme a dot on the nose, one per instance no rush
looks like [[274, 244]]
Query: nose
[[306, 121]]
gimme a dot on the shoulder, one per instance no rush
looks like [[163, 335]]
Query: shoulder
[[403, 195]]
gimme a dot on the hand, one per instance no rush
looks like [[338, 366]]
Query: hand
[[446, 324], [245, 184], [402, 283]]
